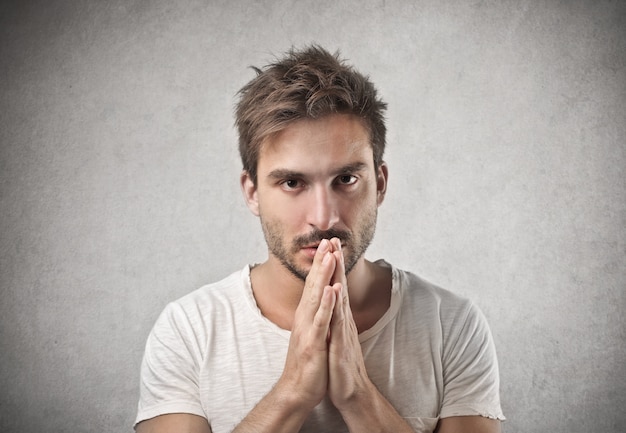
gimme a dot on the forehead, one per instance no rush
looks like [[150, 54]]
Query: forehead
[[309, 143]]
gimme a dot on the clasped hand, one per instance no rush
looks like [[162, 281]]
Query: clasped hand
[[324, 355]]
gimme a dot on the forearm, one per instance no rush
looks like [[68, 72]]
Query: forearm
[[304, 380], [277, 412], [370, 411]]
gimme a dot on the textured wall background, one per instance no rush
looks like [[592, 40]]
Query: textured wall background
[[119, 184]]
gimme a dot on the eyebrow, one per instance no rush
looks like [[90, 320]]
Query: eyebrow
[[352, 168], [283, 173]]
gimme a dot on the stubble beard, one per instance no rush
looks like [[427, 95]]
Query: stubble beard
[[353, 247]]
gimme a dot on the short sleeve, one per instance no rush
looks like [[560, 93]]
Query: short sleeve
[[169, 380], [470, 368]]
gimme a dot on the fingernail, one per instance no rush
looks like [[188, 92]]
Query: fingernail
[[323, 247]]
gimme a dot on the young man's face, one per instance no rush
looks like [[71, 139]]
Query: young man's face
[[316, 180]]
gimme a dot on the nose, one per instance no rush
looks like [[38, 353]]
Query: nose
[[323, 212]]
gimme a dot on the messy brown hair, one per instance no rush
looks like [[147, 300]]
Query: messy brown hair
[[305, 84]]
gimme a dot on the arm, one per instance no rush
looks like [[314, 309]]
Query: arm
[[280, 411], [468, 424], [168, 371], [471, 376], [304, 381], [361, 405], [371, 412], [301, 387], [175, 422]]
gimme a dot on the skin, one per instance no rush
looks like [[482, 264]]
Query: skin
[[319, 286]]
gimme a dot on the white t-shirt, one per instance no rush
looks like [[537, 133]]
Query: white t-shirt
[[213, 354]]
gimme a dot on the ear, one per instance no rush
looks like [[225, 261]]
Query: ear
[[382, 177], [249, 190]]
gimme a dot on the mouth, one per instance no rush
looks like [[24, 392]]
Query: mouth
[[310, 250], [307, 245]]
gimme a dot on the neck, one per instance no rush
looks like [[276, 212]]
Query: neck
[[273, 283]]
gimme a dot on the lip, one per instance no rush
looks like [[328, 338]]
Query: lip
[[310, 250], [315, 245]]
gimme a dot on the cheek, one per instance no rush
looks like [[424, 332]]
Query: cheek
[[359, 205], [282, 209]]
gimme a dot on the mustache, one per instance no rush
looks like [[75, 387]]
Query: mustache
[[316, 236]]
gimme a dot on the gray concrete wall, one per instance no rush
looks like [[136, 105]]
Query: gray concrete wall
[[119, 184]]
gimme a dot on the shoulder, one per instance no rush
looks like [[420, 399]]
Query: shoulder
[[427, 302], [228, 290], [415, 290], [217, 299]]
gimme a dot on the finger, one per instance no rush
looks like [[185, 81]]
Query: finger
[[319, 276], [339, 314], [324, 314], [335, 244], [339, 275]]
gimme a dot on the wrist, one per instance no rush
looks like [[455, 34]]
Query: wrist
[[368, 410], [280, 411], [293, 397], [360, 399]]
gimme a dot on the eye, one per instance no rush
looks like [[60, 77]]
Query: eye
[[346, 179], [290, 184]]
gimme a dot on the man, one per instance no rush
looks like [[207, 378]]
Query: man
[[317, 338]]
